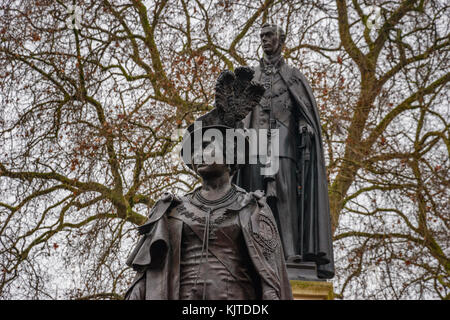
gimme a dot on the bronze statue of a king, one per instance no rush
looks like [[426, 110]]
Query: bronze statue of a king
[[298, 192]]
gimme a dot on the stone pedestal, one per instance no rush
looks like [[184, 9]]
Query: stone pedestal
[[312, 290], [303, 271]]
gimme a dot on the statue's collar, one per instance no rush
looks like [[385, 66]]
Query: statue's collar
[[275, 61], [232, 200]]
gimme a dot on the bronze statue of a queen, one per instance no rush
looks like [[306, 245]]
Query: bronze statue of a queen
[[217, 242]]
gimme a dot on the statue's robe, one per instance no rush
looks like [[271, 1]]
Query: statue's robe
[[157, 256], [288, 104]]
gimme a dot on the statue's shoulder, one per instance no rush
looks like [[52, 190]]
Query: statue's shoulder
[[292, 73], [162, 206], [239, 189], [257, 198], [261, 200], [166, 201], [245, 197]]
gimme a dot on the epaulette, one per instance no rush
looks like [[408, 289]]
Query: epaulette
[[259, 196]]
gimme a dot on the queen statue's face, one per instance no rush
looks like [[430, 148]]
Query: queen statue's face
[[209, 150]]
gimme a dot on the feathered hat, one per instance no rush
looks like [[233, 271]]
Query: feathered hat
[[235, 96]]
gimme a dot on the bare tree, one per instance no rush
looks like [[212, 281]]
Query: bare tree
[[93, 92]]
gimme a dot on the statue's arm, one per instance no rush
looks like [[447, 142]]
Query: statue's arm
[[266, 237], [152, 248]]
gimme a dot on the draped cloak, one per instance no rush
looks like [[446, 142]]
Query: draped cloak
[[156, 257], [314, 228]]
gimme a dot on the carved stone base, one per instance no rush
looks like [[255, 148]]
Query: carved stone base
[[312, 290]]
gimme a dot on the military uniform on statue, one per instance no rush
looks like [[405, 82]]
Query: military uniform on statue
[[217, 242], [298, 192]]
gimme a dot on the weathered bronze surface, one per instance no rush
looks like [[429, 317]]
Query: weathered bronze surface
[[298, 193], [219, 241]]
